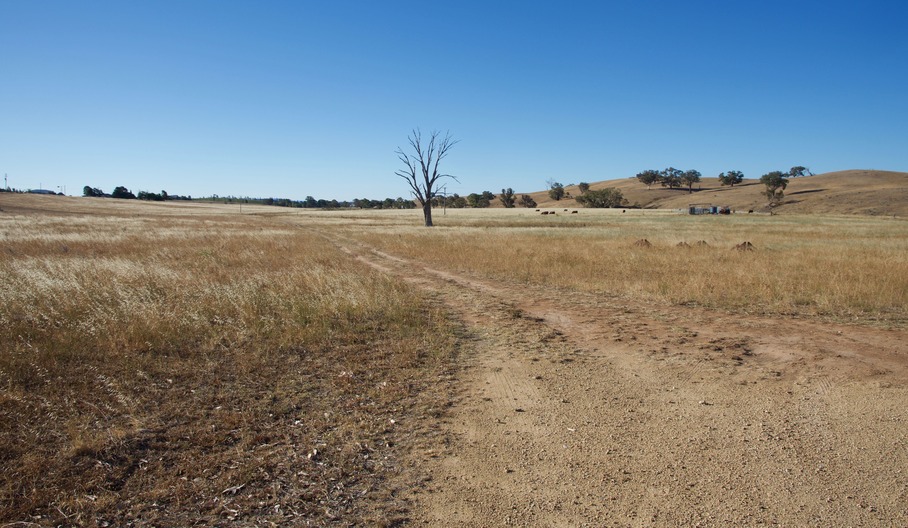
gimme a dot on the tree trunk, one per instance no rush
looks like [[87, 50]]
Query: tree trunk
[[427, 213]]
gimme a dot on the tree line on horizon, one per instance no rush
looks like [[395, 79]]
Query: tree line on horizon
[[775, 182], [454, 201], [121, 192]]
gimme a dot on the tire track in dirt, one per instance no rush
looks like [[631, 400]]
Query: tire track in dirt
[[577, 410]]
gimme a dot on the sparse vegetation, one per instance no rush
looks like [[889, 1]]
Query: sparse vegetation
[[857, 275], [203, 370], [180, 364]]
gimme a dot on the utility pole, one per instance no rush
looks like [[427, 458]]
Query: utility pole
[[444, 194]]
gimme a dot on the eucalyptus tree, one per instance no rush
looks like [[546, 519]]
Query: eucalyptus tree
[[649, 177], [730, 178], [690, 178], [775, 182], [670, 177], [507, 197]]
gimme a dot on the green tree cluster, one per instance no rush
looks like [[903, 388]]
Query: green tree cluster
[[649, 177], [776, 182], [731, 178], [387, 203], [480, 200], [152, 197], [122, 193], [671, 177], [507, 197], [527, 201], [690, 177], [456, 201], [602, 198], [798, 170], [556, 190]]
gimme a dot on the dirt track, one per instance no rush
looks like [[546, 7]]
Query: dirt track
[[575, 410]]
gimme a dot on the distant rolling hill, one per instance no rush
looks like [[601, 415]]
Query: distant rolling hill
[[862, 192]]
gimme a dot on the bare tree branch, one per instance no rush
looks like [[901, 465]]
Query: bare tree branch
[[421, 167]]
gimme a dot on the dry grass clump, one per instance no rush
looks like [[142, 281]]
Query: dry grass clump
[[844, 268], [200, 370]]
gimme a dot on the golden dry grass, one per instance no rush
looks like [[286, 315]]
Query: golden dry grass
[[176, 364], [845, 268], [863, 192], [175, 370]]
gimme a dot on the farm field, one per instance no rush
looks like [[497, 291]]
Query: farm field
[[863, 192], [191, 364]]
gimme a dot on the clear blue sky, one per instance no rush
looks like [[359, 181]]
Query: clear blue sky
[[295, 98]]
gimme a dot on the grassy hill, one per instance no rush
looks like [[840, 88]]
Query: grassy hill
[[864, 192]]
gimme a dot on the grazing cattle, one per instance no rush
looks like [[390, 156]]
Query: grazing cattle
[[573, 212]]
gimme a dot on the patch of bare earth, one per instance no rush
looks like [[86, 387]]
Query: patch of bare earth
[[582, 410]]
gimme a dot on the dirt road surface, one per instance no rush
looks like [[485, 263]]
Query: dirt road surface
[[583, 410]]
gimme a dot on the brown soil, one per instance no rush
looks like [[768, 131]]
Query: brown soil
[[583, 410]]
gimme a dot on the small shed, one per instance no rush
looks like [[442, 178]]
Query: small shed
[[699, 209]]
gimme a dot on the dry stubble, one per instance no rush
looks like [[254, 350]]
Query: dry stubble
[[176, 370]]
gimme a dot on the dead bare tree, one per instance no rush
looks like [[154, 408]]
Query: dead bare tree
[[421, 167]]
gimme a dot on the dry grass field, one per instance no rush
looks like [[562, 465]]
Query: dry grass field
[[844, 268], [861, 192], [160, 368], [194, 364]]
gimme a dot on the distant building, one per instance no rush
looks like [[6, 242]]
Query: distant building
[[41, 191], [701, 209]]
